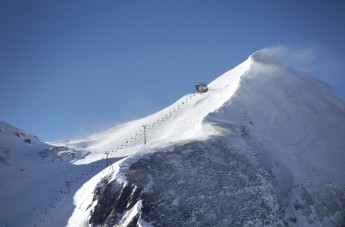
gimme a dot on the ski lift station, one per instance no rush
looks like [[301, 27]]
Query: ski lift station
[[201, 88]]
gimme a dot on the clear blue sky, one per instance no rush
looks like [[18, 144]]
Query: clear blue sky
[[68, 68]]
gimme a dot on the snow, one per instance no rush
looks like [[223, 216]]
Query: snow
[[34, 192], [83, 197], [283, 121], [180, 121]]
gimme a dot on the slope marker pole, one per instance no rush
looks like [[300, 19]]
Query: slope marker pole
[[107, 153], [144, 126], [68, 184]]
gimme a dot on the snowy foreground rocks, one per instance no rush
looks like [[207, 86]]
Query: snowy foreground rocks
[[195, 184], [263, 147]]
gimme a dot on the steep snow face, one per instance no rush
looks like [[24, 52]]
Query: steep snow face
[[292, 116], [295, 125], [269, 151]]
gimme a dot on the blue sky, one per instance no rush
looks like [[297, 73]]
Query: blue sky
[[69, 68]]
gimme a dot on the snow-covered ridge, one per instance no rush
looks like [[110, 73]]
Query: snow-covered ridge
[[14, 141], [180, 121], [9, 132]]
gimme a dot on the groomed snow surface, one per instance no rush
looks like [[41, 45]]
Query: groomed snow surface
[[264, 146]]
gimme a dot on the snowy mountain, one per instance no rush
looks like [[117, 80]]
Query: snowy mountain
[[31, 176], [264, 146]]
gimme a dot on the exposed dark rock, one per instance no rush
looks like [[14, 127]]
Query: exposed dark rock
[[19, 134], [196, 184], [208, 184], [106, 200], [243, 131], [4, 156], [27, 141], [326, 201], [58, 153], [203, 185], [113, 200], [134, 221], [123, 199]]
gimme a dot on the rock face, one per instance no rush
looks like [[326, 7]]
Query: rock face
[[4, 156], [204, 184], [113, 199], [196, 184], [210, 184], [59, 153]]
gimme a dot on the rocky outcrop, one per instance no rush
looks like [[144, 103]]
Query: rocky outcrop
[[197, 184], [60, 153], [113, 201], [4, 156], [210, 184]]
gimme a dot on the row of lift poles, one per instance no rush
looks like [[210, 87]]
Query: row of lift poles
[[200, 88], [68, 182], [107, 153]]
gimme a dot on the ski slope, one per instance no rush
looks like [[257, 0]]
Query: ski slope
[[33, 191], [180, 121]]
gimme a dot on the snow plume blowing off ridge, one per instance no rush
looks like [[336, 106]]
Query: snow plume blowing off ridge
[[314, 60], [273, 156]]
